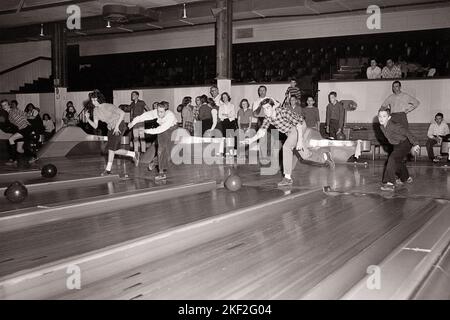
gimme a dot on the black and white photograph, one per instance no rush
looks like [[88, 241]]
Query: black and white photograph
[[225, 156]]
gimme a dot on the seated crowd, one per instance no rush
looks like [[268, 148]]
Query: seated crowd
[[402, 69]]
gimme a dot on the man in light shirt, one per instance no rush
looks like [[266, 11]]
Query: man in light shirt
[[391, 71], [257, 119], [400, 104], [438, 129], [374, 71], [167, 124], [214, 91]]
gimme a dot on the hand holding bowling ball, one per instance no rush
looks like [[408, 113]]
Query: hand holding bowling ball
[[16, 192], [49, 171], [233, 183]]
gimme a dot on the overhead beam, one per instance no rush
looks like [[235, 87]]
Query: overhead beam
[[44, 6]]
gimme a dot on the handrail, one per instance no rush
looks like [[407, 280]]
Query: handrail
[[24, 64]]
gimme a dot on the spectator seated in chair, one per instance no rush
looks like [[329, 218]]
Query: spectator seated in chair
[[70, 115], [49, 126], [437, 131]]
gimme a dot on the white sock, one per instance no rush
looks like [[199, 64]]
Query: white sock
[[288, 176], [131, 154], [109, 166]]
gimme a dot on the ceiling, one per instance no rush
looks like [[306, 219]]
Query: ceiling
[[20, 19]]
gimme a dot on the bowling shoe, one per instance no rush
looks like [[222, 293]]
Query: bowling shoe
[[387, 187], [285, 182]]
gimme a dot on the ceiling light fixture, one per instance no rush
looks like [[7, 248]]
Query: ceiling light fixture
[[108, 24], [184, 16], [42, 30]]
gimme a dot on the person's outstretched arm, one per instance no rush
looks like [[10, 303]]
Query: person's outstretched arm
[[149, 115]]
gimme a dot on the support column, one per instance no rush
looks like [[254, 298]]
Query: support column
[[224, 41], [59, 70], [59, 55]]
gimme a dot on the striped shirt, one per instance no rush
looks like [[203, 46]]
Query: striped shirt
[[18, 118], [293, 91], [283, 120]]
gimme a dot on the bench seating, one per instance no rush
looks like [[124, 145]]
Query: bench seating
[[372, 132]]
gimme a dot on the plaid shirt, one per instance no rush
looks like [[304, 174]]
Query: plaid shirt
[[18, 118], [283, 120], [393, 73]]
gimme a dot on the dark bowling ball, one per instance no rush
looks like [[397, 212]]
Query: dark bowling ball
[[340, 136], [233, 183], [16, 192], [49, 171], [34, 137]]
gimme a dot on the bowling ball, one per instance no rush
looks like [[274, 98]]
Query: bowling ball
[[49, 171], [340, 136], [16, 192], [233, 183], [34, 136]]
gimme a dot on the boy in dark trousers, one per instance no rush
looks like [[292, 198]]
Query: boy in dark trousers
[[335, 116], [402, 141]]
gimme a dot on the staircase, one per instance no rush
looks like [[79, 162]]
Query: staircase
[[30, 76], [40, 85]]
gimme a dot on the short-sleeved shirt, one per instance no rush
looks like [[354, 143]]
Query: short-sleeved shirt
[[245, 115], [18, 118], [311, 116], [108, 113], [137, 108], [283, 120], [399, 102]]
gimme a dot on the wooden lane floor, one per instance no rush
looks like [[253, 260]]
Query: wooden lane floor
[[281, 256], [429, 181], [69, 170], [354, 221], [30, 247], [42, 199]]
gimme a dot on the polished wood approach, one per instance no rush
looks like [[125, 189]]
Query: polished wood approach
[[47, 184], [98, 205], [261, 242], [7, 176]]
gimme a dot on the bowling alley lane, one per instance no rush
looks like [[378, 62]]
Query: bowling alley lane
[[281, 256], [33, 246], [40, 199]]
